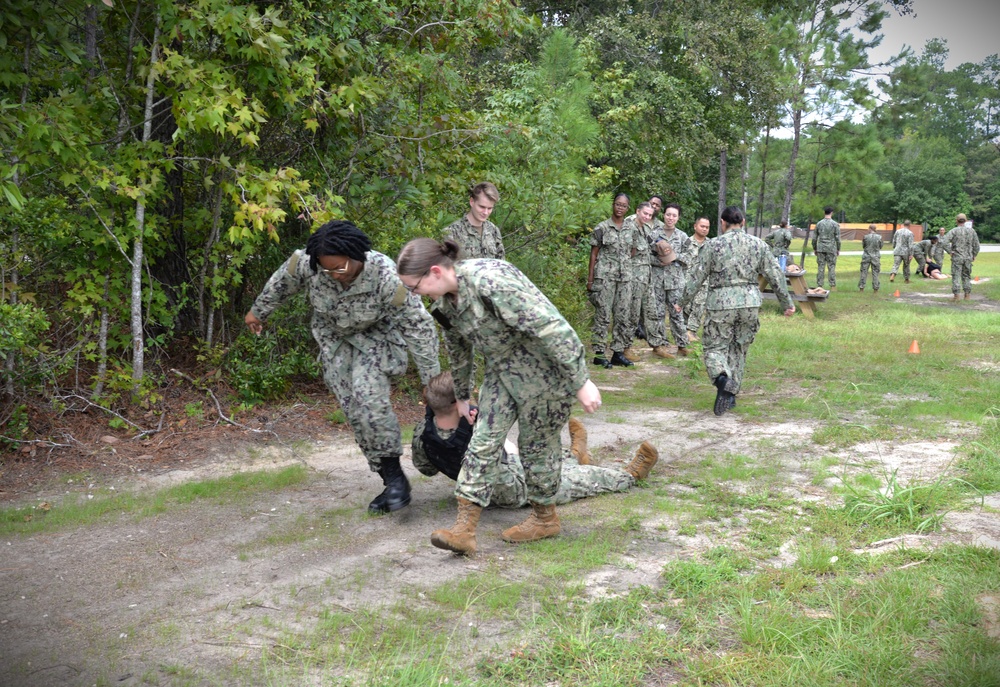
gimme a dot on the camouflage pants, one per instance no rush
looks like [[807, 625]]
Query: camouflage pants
[[727, 338], [920, 264], [640, 301], [694, 313], [662, 301], [578, 482], [539, 422], [905, 259], [875, 265], [828, 262], [360, 381], [961, 276], [610, 299]]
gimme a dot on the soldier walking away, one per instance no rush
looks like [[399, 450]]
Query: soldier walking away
[[780, 239], [535, 365], [475, 233], [826, 247], [962, 244], [871, 258], [441, 438], [364, 321], [730, 265], [902, 243], [609, 285], [668, 259]]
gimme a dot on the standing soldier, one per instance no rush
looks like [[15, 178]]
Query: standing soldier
[[609, 285], [901, 244], [475, 233], [668, 259], [535, 364], [937, 249], [694, 312], [780, 239], [871, 258], [364, 321], [638, 225], [920, 250], [826, 246], [731, 264], [962, 245]]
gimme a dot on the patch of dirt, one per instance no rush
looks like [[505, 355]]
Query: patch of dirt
[[989, 605], [975, 302], [201, 586]]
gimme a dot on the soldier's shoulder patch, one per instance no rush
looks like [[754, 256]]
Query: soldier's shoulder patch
[[293, 262], [399, 297]]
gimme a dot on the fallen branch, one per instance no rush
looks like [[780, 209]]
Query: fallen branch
[[218, 406], [107, 410]]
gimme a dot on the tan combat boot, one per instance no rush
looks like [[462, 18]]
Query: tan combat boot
[[630, 354], [645, 458], [462, 537], [543, 522], [578, 442], [663, 352], [692, 337], [968, 296], [955, 297]]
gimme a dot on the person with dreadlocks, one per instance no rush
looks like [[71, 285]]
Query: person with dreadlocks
[[364, 320]]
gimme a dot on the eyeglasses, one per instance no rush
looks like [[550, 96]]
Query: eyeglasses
[[338, 270], [416, 286]]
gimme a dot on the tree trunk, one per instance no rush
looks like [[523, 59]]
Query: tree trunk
[[763, 176], [138, 333], [723, 184], [102, 339], [744, 174], [786, 210], [203, 273]]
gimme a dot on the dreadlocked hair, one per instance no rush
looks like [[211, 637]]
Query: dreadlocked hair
[[338, 237]]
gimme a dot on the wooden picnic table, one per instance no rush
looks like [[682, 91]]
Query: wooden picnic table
[[798, 290]]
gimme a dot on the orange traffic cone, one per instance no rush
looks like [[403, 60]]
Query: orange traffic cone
[[914, 347], [976, 279], [895, 294]]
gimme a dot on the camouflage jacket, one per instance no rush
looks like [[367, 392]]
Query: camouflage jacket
[[902, 242], [962, 243], [937, 251], [526, 342], [779, 240], [731, 264], [614, 245], [375, 312], [694, 252], [640, 242], [484, 242], [827, 238], [674, 272], [921, 248], [871, 244]]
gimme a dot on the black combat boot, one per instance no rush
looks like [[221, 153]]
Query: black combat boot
[[396, 494], [603, 362], [617, 358], [724, 400]]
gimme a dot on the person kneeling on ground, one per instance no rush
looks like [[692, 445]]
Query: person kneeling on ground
[[441, 438]]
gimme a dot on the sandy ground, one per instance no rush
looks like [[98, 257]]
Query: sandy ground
[[122, 602]]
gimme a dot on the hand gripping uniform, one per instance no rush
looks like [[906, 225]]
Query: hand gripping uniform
[[902, 242], [437, 450], [962, 243], [667, 286], [363, 331], [611, 290], [535, 364], [826, 246], [730, 264], [871, 259]]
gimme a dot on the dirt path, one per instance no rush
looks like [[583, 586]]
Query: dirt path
[[129, 601]]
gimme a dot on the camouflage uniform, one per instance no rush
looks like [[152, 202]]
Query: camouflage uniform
[[694, 311], [731, 264], [779, 240], [666, 287], [363, 331], [962, 244], [484, 242], [937, 251], [611, 291], [535, 364], [641, 275], [901, 244], [919, 252], [510, 489], [826, 246], [871, 244]]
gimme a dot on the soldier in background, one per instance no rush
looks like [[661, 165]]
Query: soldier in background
[[609, 285], [475, 233], [871, 258], [937, 247], [920, 250], [535, 365], [638, 225], [364, 321], [901, 245], [441, 438], [694, 312], [731, 264], [780, 239], [668, 259], [826, 247], [962, 244]]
